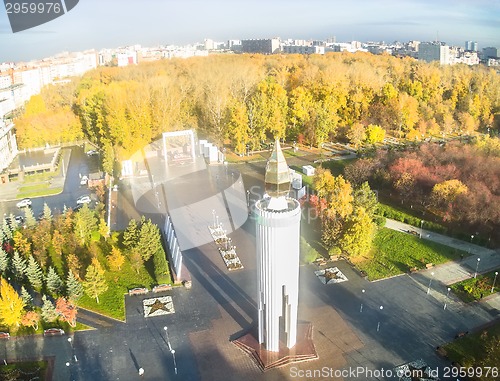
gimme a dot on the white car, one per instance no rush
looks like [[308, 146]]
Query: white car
[[92, 152], [24, 203], [83, 200], [84, 180]]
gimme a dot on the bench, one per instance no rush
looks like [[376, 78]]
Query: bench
[[162, 287], [138, 291]]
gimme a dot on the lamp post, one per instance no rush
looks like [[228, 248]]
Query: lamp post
[[213, 214], [447, 296], [421, 227], [361, 306], [494, 281], [248, 198], [477, 267], [430, 282], [172, 351], [378, 324]]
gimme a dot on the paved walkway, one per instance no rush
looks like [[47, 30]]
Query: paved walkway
[[484, 259]]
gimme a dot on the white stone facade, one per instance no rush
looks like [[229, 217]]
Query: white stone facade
[[278, 247]]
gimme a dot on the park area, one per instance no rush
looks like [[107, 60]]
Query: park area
[[394, 253]]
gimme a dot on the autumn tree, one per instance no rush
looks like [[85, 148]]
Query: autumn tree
[[136, 261], [47, 213], [31, 319], [11, 305], [74, 264], [116, 259], [358, 233], [374, 134], [95, 282], [67, 311], [270, 107], [237, 126], [21, 244], [356, 134], [85, 222], [445, 194]]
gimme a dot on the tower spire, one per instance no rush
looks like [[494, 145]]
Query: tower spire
[[277, 177]]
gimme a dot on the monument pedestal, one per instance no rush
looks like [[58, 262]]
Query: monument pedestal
[[303, 350]]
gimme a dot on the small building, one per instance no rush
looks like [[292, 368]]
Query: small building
[[308, 170]]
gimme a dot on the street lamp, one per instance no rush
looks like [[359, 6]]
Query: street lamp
[[248, 197], [213, 214], [172, 351], [471, 237], [477, 267], [447, 296], [378, 324], [361, 307], [430, 282], [494, 281], [421, 227], [173, 357]]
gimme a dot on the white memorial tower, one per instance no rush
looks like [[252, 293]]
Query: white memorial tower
[[278, 243]]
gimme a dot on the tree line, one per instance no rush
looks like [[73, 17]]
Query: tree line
[[245, 99], [456, 182]]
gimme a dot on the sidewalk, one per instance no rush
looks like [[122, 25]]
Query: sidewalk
[[452, 272]]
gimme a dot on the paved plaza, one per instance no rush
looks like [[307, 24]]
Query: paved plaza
[[349, 328]]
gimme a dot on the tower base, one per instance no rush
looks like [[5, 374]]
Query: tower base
[[303, 350]]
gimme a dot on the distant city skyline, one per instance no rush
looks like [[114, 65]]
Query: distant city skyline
[[113, 23]]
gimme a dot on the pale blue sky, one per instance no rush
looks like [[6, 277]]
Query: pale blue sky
[[112, 23]]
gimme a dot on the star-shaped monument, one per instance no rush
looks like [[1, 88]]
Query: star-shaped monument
[[158, 306]]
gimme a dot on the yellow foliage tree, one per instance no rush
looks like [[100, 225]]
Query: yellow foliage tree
[[116, 259], [11, 305]]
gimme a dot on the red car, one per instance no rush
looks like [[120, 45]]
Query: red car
[[53, 332]]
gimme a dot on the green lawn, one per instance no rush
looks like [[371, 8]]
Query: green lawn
[[473, 289], [38, 190], [472, 350], [112, 302], [395, 253]]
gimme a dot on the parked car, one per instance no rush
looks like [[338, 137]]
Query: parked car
[[4, 335], [53, 332], [83, 200], [24, 203], [19, 219], [84, 180], [92, 152]]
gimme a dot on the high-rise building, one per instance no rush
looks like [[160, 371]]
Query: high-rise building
[[434, 51], [8, 144], [264, 46], [490, 52], [278, 237], [471, 45]]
